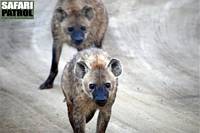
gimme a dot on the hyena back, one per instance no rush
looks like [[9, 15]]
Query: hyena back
[[79, 23], [89, 82]]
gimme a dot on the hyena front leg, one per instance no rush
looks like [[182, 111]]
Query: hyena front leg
[[101, 33], [56, 52], [78, 121], [70, 114], [102, 122], [90, 115]]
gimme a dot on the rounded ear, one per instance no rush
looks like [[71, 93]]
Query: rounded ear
[[81, 69], [88, 12], [115, 67], [60, 14]]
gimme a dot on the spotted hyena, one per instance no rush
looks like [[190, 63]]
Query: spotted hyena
[[79, 23], [89, 82]]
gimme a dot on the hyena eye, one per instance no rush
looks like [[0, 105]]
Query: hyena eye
[[107, 85], [83, 28], [70, 29], [92, 86]]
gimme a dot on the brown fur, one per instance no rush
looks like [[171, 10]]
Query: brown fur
[[98, 63], [77, 93]]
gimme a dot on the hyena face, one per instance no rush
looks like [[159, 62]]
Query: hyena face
[[99, 84], [75, 23], [99, 80]]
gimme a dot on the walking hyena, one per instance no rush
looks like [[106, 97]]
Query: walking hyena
[[89, 82], [80, 24]]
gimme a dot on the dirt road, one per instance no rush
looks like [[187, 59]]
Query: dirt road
[[158, 44]]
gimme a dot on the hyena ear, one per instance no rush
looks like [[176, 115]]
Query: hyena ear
[[115, 67], [88, 12], [60, 14], [81, 69]]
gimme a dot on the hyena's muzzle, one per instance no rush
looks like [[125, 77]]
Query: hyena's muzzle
[[100, 94], [77, 34]]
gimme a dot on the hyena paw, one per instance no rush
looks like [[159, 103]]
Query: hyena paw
[[46, 85]]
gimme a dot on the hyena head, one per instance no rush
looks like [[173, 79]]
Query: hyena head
[[75, 22], [99, 77]]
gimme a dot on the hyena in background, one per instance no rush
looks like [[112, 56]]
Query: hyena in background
[[80, 24], [89, 82]]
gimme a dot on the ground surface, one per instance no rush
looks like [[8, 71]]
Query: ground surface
[[158, 44]]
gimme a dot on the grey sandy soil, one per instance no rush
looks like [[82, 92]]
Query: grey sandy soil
[[158, 44]]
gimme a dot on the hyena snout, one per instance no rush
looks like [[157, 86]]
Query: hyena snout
[[77, 34], [100, 95]]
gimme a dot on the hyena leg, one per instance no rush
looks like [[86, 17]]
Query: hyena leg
[[102, 122], [101, 33], [98, 43], [78, 121], [56, 51], [90, 116], [70, 114], [70, 110]]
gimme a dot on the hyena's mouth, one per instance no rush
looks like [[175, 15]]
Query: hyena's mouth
[[78, 42], [101, 102]]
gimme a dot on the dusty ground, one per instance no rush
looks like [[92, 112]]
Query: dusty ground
[[158, 44]]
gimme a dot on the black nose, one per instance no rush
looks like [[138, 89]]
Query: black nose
[[101, 102], [77, 37]]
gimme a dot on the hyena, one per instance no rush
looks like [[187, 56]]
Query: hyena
[[80, 24], [90, 82]]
